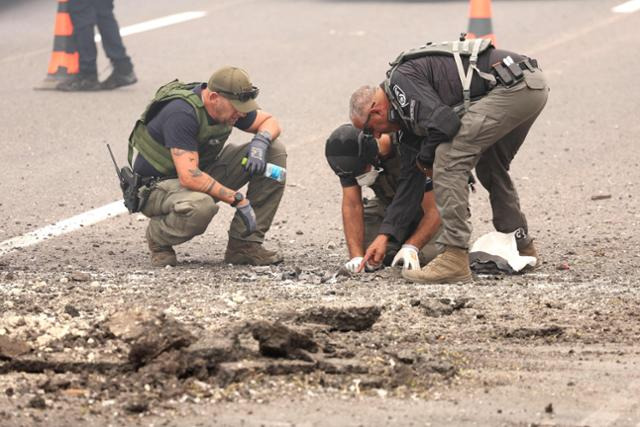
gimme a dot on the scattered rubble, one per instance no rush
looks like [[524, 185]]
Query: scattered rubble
[[10, 348], [342, 319], [548, 331]]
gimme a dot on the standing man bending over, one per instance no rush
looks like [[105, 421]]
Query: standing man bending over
[[180, 140], [473, 105], [362, 161]]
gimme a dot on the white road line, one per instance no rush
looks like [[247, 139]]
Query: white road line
[[125, 31], [627, 7], [65, 226], [158, 23], [567, 37]]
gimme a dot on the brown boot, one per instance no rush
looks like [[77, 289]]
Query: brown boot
[[161, 256], [530, 250], [451, 266], [241, 252]]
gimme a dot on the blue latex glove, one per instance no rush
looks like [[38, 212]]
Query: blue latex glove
[[257, 154], [248, 217]]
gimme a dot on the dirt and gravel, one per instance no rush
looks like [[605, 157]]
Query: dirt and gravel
[[127, 343]]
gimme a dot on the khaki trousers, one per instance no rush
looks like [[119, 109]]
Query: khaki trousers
[[177, 214], [492, 131], [374, 210]]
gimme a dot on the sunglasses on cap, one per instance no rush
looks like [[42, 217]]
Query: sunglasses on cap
[[240, 96]]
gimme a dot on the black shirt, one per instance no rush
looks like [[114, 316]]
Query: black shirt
[[427, 88], [400, 215], [176, 126], [407, 186]]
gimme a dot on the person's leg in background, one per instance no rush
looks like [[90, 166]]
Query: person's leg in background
[[122, 74], [83, 18]]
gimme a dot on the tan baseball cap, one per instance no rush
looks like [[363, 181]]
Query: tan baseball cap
[[233, 83]]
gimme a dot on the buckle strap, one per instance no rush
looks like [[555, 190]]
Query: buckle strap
[[528, 64], [466, 78]]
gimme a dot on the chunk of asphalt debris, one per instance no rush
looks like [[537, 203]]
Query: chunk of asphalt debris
[[161, 335], [230, 372], [136, 407], [71, 310], [442, 367], [58, 363], [216, 349], [291, 275], [549, 331], [342, 366], [12, 348], [79, 276], [128, 325], [549, 408], [342, 319], [37, 402], [55, 383], [278, 340], [437, 307]]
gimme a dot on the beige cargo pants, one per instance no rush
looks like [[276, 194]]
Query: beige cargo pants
[[177, 214], [492, 131]]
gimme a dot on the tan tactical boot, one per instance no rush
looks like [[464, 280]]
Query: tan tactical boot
[[241, 252], [451, 266], [161, 256], [530, 250]]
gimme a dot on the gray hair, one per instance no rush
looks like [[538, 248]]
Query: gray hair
[[360, 101]]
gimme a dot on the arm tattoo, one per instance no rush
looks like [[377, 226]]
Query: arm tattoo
[[210, 186], [195, 172], [224, 193]]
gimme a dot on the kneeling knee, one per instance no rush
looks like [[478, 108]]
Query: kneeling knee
[[198, 213]]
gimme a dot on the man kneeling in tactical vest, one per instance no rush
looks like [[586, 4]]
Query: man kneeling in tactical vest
[[180, 140], [473, 106]]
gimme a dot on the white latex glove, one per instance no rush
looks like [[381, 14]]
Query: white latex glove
[[353, 265], [408, 257]]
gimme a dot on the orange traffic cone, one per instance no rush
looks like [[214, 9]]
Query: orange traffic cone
[[480, 20], [64, 58]]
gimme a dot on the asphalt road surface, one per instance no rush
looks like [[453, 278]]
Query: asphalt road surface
[[576, 363]]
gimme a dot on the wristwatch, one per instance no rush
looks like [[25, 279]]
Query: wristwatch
[[237, 198], [266, 134]]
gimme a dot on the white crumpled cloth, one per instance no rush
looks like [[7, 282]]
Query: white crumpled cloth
[[503, 245]]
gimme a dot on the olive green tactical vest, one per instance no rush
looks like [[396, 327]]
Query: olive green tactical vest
[[211, 138], [468, 48]]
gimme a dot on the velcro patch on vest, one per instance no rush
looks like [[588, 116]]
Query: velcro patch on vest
[[400, 95]]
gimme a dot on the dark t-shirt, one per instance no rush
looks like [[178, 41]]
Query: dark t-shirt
[[176, 126], [409, 187], [412, 184]]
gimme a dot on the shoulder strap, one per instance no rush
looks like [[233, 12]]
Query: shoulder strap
[[457, 49]]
